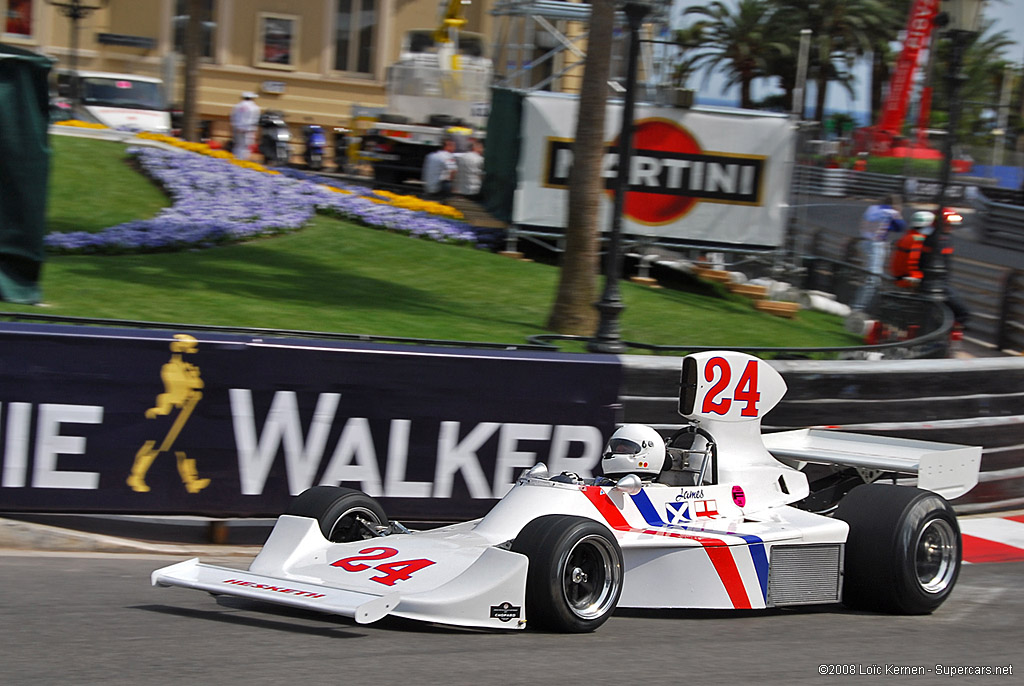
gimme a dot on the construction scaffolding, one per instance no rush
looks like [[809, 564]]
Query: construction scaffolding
[[541, 45]]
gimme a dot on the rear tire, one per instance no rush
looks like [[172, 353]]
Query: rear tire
[[904, 549], [575, 575], [341, 512]]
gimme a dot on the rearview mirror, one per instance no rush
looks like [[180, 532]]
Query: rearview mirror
[[629, 484]]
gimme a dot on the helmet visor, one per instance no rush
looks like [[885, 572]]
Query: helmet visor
[[621, 446]]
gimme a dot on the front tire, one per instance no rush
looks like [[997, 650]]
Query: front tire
[[575, 575], [343, 513], [903, 552]]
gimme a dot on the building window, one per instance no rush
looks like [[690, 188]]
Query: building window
[[355, 36], [209, 27], [276, 36], [17, 17]]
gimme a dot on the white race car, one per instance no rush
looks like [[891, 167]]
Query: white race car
[[722, 517]]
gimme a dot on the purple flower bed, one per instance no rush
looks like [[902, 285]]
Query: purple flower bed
[[216, 202]]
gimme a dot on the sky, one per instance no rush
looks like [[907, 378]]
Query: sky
[[1009, 15]]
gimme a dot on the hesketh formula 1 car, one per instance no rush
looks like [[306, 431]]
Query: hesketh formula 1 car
[[718, 518]]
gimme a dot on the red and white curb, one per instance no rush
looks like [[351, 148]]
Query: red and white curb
[[993, 539]]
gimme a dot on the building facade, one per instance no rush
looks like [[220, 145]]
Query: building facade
[[315, 60]]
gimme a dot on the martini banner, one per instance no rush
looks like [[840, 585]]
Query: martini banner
[[715, 176]]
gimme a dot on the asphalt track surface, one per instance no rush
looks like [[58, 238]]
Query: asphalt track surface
[[94, 619], [843, 215]]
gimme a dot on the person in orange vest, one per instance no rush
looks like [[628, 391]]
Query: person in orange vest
[[913, 258], [906, 255]]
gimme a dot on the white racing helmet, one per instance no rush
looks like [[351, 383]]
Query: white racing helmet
[[634, 449], [922, 219]]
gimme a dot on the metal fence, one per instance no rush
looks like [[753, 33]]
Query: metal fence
[[993, 294]]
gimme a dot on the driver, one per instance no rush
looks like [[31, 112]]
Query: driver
[[634, 449]]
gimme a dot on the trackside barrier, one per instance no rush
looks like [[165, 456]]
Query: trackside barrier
[[838, 182], [972, 402], [870, 185], [830, 264], [152, 422], [1002, 225], [126, 421], [992, 293], [1011, 331]]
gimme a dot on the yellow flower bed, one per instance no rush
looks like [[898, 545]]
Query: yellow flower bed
[[408, 202], [75, 123]]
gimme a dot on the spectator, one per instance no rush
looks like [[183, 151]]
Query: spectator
[[245, 116], [906, 258], [440, 170], [470, 170], [875, 225], [914, 258]]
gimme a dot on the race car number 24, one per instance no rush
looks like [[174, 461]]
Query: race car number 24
[[745, 392], [393, 572]]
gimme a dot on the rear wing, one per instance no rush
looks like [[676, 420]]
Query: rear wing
[[947, 469]]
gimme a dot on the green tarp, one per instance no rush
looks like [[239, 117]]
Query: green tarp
[[24, 170], [502, 158]]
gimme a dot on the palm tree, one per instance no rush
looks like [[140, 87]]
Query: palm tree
[[573, 311], [984, 67], [842, 32], [741, 42]]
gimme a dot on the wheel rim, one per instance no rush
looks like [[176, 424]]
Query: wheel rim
[[935, 556], [590, 577], [348, 527]]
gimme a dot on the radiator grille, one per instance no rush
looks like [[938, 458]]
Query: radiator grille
[[805, 574]]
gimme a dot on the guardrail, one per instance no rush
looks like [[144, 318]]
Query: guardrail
[[993, 294], [971, 402], [838, 182], [1002, 224]]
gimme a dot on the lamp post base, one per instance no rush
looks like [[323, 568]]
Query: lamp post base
[[608, 338]]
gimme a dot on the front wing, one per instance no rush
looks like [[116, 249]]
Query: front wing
[[363, 607]]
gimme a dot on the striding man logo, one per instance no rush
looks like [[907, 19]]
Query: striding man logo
[[182, 392]]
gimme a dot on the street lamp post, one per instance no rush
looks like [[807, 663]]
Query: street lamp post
[[608, 337], [962, 21], [75, 10]]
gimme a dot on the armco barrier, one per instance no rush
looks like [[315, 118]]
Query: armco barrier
[[232, 425], [974, 402], [1002, 225]]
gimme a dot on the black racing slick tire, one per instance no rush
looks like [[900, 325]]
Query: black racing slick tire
[[575, 573], [903, 552], [341, 512]]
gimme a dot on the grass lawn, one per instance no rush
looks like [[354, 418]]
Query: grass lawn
[[339, 277], [93, 188]]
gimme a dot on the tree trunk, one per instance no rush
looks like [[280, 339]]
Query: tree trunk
[[573, 312], [193, 38]]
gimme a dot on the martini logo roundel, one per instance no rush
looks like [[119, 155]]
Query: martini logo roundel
[[656, 138], [669, 172]]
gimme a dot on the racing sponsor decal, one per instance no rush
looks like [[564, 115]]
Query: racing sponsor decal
[[669, 172], [738, 496], [505, 612], [718, 550], [229, 425], [678, 512], [182, 392], [392, 572], [276, 589], [705, 508]]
